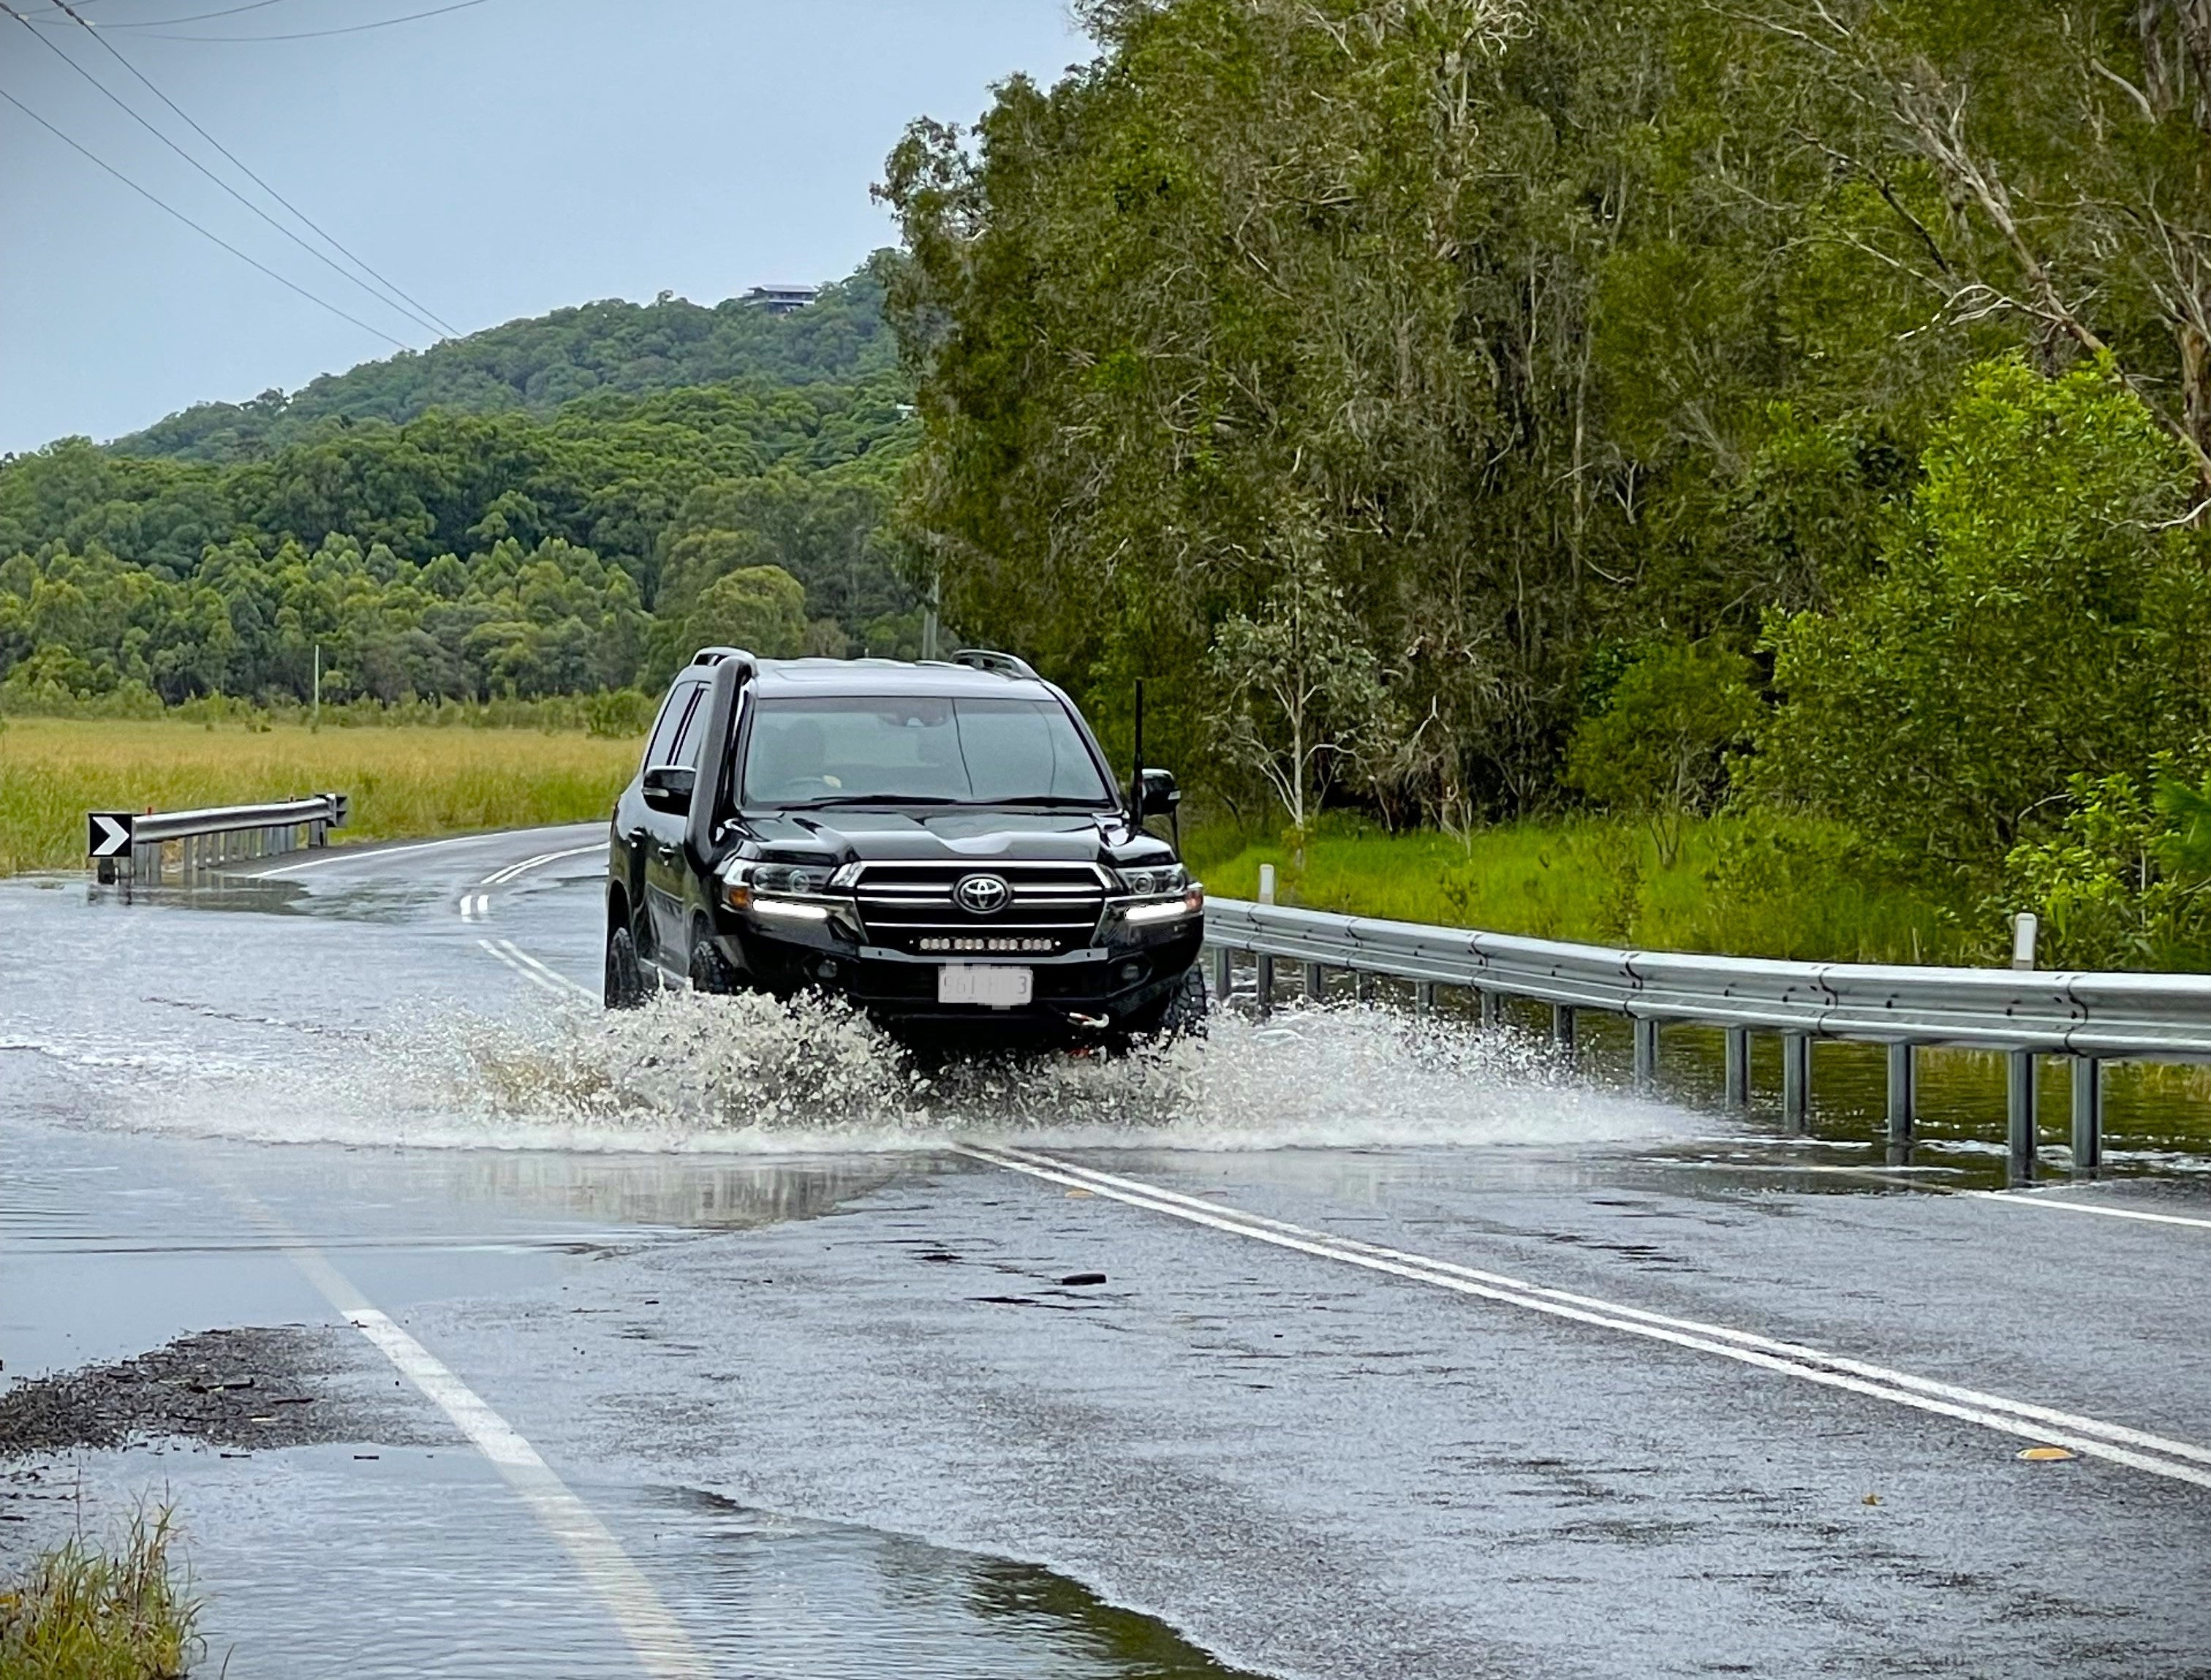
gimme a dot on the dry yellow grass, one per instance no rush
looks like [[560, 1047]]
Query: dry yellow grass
[[405, 782]]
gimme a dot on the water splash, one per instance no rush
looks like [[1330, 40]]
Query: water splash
[[708, 1073], [689, 1074]]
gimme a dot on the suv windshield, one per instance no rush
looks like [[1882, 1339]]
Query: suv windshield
[[856, 749]]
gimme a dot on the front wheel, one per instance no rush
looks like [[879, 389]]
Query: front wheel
[[625, 982], [1181, 1014], [709, 971]]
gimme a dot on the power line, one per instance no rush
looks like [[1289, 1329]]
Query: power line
[[121, 104], [406, 302], [170, 210], [316, 34], [162, 22]]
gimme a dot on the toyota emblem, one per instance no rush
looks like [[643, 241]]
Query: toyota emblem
[[983, 895]]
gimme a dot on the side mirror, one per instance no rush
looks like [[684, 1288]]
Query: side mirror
[[1157, 795], [669, 788]]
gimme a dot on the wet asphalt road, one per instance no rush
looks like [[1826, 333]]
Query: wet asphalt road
[[792, 1343]]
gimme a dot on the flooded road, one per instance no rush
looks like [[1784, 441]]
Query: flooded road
[[715, 1339]]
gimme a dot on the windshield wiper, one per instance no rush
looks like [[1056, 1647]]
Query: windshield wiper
[[872, 798]]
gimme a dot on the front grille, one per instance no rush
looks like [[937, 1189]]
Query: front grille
[[912, 907]]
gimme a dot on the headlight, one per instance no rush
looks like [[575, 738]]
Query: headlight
[[795, 878], [743, 882], [1154, 880]]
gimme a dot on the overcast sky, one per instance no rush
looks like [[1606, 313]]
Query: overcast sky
[[500, 159]]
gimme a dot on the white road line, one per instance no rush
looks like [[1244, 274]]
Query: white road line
[[477, 906], [530, 969], [1798, 1350], [500, 877], [2028, 1198], [341, 854], [541, 980], [661, 1645], [2117, 1443]]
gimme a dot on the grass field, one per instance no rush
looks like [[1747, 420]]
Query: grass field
[[1768, 889], [1765, 889], [404, 781], [82, 1613]]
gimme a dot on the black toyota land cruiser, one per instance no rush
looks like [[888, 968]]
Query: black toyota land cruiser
[[941, 842]]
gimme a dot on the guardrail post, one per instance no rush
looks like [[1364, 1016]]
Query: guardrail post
[[1265, 984], [1647, 1049], [1362, 985], [1224, 969], [1903, 1092], [1737, 1041], [2087, 1116], [1562, 1026], [1492, 1004], [1316, 983], [1796, 1081], [1424, 997], [2020, 1112]]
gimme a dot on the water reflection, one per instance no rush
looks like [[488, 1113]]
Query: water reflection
[[2157, 1117], [780, 1598], [658, 1190]]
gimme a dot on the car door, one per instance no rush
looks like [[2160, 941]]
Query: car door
[[631, 813], [665, 831]]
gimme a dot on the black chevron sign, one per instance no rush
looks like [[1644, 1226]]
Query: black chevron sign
[[109, 833]]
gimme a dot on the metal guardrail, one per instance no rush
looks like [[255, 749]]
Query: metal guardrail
[[138, 847], [2087, 1018]]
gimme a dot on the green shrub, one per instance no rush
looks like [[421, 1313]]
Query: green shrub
[[86, 1614], [1659, 746], [2042, 612]]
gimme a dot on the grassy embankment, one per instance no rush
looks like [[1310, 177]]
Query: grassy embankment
[[408, 782], [1765, 889], [1774, 889], [82, 1613]]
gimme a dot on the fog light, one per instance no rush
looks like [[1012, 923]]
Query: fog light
[[1131, 973], [827, 970]]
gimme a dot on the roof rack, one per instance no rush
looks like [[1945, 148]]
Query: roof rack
[[989, 659], [715, 655]]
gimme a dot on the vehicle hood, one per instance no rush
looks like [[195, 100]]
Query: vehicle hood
[[947, 836]]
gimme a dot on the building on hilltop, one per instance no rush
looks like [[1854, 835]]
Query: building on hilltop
[[780, 300]]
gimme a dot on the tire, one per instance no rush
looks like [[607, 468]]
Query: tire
[[710, 969], [625, 982], [1181, 1014]]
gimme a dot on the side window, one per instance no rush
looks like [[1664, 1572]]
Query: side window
[[660, 750], [692, 732]]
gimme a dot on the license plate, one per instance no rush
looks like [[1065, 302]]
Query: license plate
[[995, 986]]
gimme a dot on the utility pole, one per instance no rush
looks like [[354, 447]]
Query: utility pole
[[315, 717]]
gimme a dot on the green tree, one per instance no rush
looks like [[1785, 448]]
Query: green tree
[[1659, 746], [760, 608], [2124, 879], [2041, 614], [1301, 699]]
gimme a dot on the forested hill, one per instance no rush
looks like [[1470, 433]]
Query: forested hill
[[537, 365], [557, 505]]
